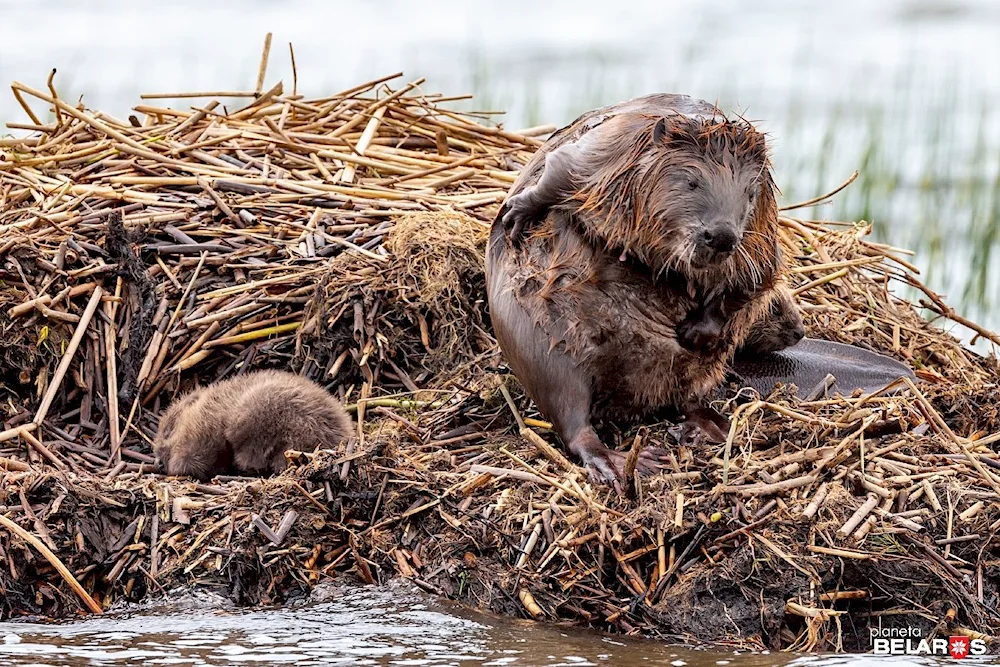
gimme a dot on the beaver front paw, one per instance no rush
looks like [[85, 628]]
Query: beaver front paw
[[702, 335], [521, 212], [607, 466]]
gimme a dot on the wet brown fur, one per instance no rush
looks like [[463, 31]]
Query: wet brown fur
[[620, 201], [781, 328], [615, 194], [589, 334], [243, 425]]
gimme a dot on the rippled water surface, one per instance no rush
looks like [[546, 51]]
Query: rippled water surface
[[367, 626], [393, 626]]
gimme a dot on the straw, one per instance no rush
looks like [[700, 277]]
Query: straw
[[342, 237]]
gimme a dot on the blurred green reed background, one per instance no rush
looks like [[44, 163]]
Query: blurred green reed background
[[904, 91]]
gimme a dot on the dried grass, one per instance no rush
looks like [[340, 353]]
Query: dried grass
[[284, 234]]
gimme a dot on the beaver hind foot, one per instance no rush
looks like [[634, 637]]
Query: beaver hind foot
[[702, 425]]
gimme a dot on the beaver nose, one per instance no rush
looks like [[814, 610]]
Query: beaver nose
[[720, 238]]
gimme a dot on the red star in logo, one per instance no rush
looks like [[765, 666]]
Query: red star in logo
[[958, 647]]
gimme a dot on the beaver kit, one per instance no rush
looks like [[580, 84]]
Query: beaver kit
[[243, 425], [780, 327], [343, 239]]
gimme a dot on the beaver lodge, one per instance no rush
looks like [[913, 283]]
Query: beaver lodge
[[342, 237]]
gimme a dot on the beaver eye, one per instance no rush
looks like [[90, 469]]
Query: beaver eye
[[692, 184]]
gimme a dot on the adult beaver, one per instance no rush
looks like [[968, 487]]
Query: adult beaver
[[634, 254], [243, 425]]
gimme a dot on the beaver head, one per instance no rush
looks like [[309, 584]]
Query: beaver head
[[684, 192], [780, 327], [170, 425]]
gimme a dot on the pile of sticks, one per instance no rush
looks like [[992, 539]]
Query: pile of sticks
[[342, 236]]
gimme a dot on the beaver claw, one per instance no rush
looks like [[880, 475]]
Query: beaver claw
[[521, 212], [607, 466]]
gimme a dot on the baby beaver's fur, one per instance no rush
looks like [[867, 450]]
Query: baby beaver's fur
[[243, 425], [781, 328]]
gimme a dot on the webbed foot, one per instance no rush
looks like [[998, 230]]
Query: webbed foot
[[702, 425]]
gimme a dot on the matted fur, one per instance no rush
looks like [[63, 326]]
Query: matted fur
[[586, 308], [243, 425], [623, 207]]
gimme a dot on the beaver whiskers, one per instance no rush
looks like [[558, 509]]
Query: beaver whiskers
[[679, 259], [751, 267], [685, 193]]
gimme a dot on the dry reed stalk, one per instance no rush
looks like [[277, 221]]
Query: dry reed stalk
[[54, 561], [342, 237]]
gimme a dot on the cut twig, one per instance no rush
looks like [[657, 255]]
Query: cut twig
[[67, 357], [54, 562], [859, 515]]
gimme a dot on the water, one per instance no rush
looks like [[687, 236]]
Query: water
[[367, 626]]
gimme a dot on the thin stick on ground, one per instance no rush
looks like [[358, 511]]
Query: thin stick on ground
[[54, 562]]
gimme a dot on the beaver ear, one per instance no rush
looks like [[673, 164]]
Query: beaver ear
[[660, 131]]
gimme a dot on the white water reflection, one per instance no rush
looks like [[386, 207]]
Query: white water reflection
[[394, 625]]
